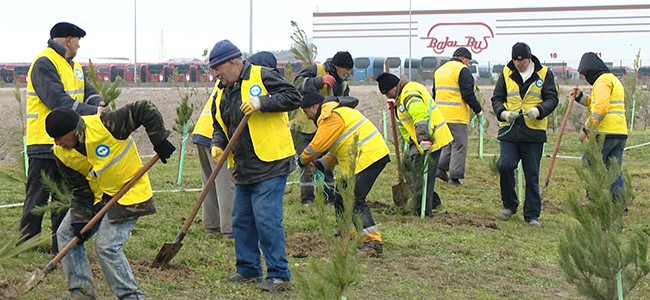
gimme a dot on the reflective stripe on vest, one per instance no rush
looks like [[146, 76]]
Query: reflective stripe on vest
[[115, 162], [269, 131], [370, 145], [215, 97], [437, 125], [533, 98], [452, 106], [72, 78], [614, 121]]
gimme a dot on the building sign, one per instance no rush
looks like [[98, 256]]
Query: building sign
[[475, 36]]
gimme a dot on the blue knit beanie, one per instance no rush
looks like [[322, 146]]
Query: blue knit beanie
[[222, 52]]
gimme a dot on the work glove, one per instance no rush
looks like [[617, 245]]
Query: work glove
[[532, 113], [216, 153], [578, 95], [164, 150], [318, 164], [425, 145], [390, 103], [76, 229], [329, 80], [509, 116], [250, 105]]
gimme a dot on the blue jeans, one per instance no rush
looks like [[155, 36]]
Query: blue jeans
[[109, 239], [530, 155], [612, 148], [257, 223]]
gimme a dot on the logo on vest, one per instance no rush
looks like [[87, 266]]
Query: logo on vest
[[102, 151], [401, 108], [255, 90], [79, 74], [539, 83]]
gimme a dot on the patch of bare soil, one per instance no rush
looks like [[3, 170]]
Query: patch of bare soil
[[8, 291], [302, 245], [171, 272]]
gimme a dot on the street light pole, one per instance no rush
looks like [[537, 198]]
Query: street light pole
[[250, 33], [135, 41]]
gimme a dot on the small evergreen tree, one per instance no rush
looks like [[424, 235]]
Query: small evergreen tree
[[330, 278], [593, 251], [108, 91], [302, 49]]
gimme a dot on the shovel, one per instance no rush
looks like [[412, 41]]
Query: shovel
[[557, 142], [169, 250], [400, 190], [38, 276]]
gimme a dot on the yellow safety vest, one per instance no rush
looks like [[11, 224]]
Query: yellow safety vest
[[533, 98], [114, 162], [448, 97], [269, 131], [614, 121], [320, 72], [76, 161], [437, 126], [72, 79], [204, 125], [371, 147]]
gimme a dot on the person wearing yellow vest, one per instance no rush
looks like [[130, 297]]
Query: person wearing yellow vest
[[338, 123], [263, 156], [328, 77], [453, 90], [55, 79], [523, 97], [422, 127], [97, 157], [607, 113]]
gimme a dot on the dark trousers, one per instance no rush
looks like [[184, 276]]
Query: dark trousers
[[306, 178], [612, 148], [433, 199], [454, 155], [363, 183], [37, 194], [530, 155]]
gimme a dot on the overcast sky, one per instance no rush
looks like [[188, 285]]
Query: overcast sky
[[171, 28]]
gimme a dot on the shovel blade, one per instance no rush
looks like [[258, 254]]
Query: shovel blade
[[400, 194], [165, 255], [33, 279]]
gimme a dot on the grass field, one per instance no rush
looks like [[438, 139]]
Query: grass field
[[463, 252]]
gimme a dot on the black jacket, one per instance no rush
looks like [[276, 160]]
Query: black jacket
[[282, 96], [466, 85], [307, 80], [519, 131], [49, 88]]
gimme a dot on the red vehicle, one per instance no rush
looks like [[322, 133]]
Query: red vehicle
[[204, 72], [129, 75], [7, 73], [116, 69]]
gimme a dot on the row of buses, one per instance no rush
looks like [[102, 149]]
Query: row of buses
[[365, 69], [146, 72]]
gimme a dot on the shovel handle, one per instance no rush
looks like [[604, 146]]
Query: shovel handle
[[99, 215], [395, 142], [215, 172], [558, 140]]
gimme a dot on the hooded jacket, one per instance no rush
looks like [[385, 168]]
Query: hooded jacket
[[607, 100]]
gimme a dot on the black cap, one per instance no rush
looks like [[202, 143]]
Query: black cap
[[65, 29], [343, 59], [311, 98], [61, 121], [462, 52], [386, 82], [520, 51]]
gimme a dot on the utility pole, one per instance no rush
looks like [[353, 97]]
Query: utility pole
[[135, 41], [250, 33]]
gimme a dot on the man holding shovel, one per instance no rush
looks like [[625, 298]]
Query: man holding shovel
[[422, 126], [338, 123], [607, 114], [263, 157], [524, 96], [97, 156]]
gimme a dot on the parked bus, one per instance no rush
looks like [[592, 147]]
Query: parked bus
[[411, 68], [7, 73], [393, 65]]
